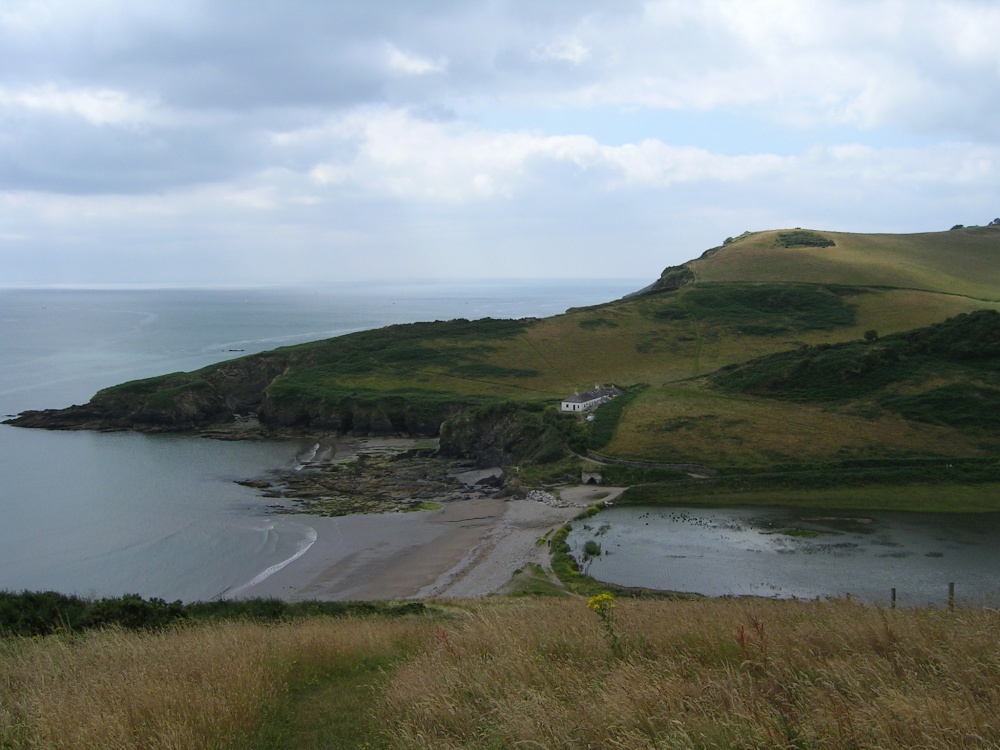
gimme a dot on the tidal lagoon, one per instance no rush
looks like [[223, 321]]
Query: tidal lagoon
[[797, 553]]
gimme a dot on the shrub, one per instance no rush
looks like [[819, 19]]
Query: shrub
[[803, 238]]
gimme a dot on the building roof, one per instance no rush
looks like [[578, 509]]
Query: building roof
[[599, 392]]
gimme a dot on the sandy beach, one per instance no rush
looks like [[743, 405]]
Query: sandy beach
[[464, 549]]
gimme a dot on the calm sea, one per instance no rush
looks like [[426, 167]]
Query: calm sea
[[159, 515]]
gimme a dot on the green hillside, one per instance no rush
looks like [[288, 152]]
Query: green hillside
[[932, 391], [800, 295], [962, 261]]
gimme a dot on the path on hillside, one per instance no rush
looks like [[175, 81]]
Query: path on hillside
[[694, 469]]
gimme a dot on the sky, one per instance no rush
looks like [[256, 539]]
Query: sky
[[250, 142]]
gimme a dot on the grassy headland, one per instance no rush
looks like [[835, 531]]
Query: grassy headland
[[775, 348]]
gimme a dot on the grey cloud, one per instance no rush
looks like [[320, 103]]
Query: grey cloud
[[225, 74], [61, 154]]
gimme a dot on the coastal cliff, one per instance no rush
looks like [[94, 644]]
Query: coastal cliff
[[175, 402]]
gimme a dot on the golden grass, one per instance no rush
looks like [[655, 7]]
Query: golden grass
[[712, 674], [184, 689], [524, 673], [962, 263], [685, 423]]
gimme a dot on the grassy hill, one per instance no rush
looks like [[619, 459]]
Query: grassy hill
[[749, 298], [933, 391], [961, 261], [761, 294]]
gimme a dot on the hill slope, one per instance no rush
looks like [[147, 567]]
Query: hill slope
[[934, 391], [962, 261], [757, 295]]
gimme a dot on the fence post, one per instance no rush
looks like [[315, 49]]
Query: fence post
[[951, 595], [893, 597]]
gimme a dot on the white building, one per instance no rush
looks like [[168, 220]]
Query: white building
[[589, 399]]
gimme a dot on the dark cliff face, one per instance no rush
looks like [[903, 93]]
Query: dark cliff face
[[177, 402], [502, 435], [359, 415]]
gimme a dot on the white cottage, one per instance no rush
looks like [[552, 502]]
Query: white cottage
[[589, 400]]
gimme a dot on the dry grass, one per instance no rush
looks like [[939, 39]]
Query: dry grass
[[197, 687], [526, 673], [962, 263], [714, 674]]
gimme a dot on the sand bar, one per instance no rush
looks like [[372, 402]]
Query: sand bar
[[465, 549]]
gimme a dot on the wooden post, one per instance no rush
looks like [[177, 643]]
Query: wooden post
[[893, 597], [951, 595]]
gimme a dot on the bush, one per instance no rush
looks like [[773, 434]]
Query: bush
[[32, 613], [803, 238]]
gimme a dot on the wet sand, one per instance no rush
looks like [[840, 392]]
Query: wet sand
[[465, 549]]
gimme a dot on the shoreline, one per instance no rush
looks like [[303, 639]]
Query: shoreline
[[465, 549]]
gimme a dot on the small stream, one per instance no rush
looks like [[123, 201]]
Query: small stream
[[797, 553]]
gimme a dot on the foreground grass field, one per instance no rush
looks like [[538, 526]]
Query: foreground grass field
[[533, 673]]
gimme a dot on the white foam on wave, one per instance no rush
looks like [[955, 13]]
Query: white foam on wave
[[302, 547]]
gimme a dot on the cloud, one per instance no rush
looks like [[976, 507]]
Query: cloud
[[412, 65], [516, 135], [569, 49], [96, 106]]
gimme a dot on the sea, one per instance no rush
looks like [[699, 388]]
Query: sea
[[105, 514]]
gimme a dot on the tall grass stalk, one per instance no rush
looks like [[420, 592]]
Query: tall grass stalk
[[714, 674], [186, 688]]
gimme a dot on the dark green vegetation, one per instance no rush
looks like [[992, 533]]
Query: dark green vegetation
[[930, 485], [900, 371], [762, 309], [606, 419], [509, 432], [803, 238], [779, 348], [44, 612]]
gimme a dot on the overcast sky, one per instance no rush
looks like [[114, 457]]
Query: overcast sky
[[242, 141]]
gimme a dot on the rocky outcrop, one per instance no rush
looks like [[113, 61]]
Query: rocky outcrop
[[672, 279], [373, 483], [177, 402], [359, 415], [501, 435]]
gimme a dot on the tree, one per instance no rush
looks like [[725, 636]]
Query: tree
[[871, 336]]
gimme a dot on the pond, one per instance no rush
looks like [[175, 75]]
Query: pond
[[796, 553]]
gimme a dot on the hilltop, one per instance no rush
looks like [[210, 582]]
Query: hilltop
[[754, 296]]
